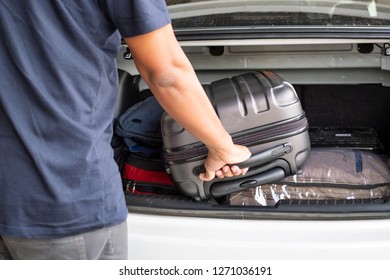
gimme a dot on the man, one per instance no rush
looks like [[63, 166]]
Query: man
[[61, 194]]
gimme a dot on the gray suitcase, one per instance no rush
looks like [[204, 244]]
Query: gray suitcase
[[261, 111]]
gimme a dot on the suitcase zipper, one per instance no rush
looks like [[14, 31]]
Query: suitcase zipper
[[266, 134]]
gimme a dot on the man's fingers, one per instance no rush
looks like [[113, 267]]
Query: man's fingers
[[244, 171], [207, 176], [225, 171], [220, 174]]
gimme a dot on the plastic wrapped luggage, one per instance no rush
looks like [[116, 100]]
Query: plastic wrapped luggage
[[331, 174], [260, 110]]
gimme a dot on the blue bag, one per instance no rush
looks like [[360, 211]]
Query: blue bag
[[140, 127]]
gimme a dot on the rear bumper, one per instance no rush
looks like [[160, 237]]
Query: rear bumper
[[185, 238]]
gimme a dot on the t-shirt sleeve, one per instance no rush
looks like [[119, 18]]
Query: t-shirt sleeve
[[136, 17]]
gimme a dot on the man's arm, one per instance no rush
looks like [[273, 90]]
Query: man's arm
[[171, 77]]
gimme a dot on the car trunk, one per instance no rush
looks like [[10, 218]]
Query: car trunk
[[344, 90]]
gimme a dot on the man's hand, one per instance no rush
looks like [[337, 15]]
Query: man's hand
[[217, 160]]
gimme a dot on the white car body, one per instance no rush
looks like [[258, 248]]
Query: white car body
[[183, 238]]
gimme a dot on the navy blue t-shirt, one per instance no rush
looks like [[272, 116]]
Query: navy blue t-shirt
[[58, 86]]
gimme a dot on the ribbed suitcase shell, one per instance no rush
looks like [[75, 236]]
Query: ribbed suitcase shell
[[259, 110]]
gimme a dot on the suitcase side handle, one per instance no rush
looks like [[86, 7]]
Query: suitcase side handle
[[226, 187], [256, 159]]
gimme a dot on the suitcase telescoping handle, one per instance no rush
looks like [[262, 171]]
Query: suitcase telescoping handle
[[256, 159]]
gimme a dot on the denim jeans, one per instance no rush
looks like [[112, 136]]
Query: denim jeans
[[102, 244]]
